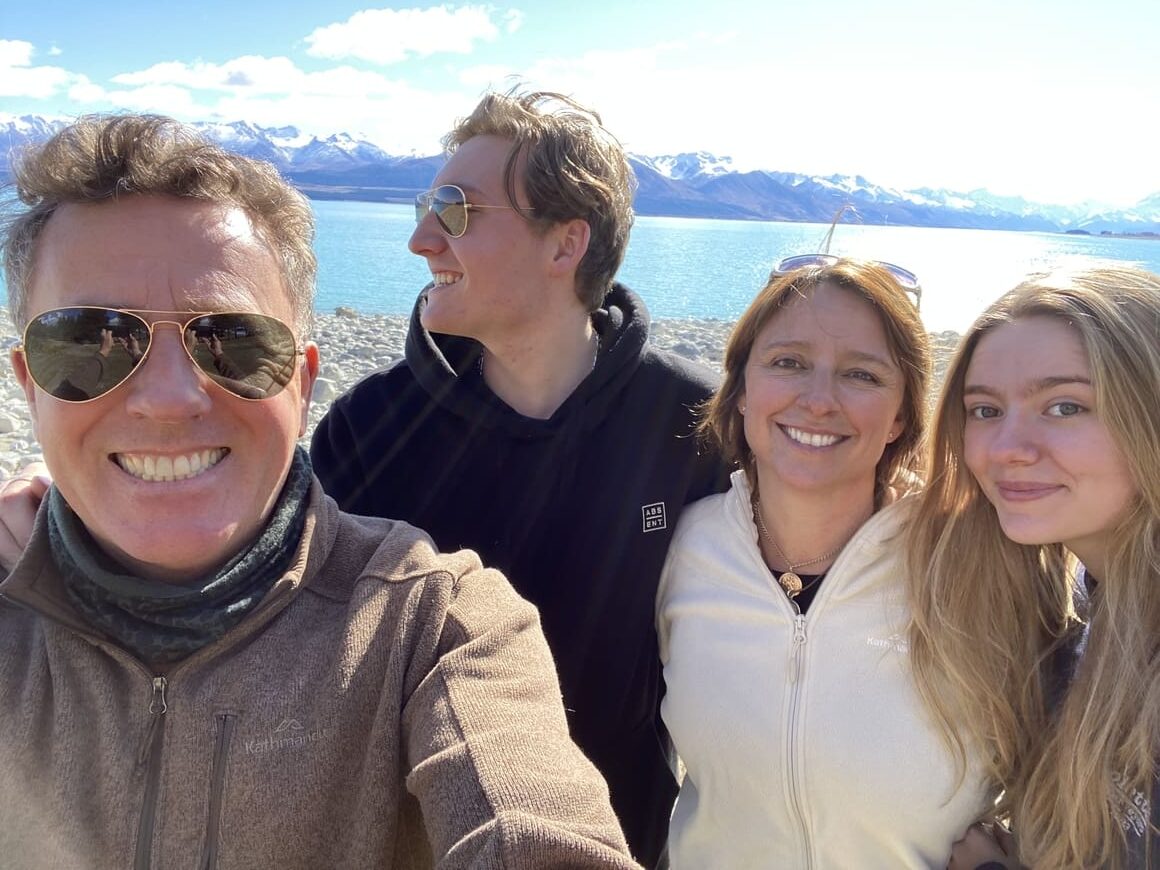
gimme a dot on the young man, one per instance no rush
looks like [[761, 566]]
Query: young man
[[203, 660], [532, 422]]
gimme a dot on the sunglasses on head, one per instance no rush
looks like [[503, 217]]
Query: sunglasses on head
[[449, 204], [82, 353], [906, 279]]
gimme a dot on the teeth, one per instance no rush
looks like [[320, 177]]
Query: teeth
[[811, 439], [443, 278], [166, 468]]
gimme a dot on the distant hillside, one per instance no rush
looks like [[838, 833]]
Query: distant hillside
[[697, 184]]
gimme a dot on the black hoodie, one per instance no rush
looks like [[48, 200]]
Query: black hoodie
[[577, 510]]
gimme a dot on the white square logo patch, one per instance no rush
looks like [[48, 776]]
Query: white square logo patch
[[653, 516]]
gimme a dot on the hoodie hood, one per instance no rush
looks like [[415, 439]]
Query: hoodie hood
[[447, 367]]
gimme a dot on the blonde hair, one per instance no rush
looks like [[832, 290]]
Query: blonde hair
[[721, 422], [102, 157], [573, 168], [990, 616]]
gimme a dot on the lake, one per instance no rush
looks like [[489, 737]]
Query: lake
[[687, 267]]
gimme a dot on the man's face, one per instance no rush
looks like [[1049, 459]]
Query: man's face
[[165, 254], [489, 283]]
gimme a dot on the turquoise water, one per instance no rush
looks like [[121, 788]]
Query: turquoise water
[[711, 268]]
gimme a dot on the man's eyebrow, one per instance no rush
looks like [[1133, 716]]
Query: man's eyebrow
[[1037, 386]]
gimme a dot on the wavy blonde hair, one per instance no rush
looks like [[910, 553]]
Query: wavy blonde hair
[[989, 615]]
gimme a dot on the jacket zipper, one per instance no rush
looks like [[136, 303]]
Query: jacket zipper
[[797, 652], [225, 734], [151, 754]]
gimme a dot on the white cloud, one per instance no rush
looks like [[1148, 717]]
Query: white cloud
[[253, 76], [20, 78], [55, 51], [513, 20], [170, 100], [84, 91], [15, 52], [386, 36]]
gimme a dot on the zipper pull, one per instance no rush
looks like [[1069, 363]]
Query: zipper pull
[[157, 705], [799, 630], [799, 643]]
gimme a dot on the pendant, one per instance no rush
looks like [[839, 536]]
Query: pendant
[[791, 583]]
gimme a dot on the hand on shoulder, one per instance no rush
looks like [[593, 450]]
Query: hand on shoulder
[[20, 498]]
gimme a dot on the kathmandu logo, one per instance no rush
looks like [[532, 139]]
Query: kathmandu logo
[[895, 642], [290, 734], [653, 516]]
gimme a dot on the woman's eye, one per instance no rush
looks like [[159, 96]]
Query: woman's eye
[[983, 412], [863, 375], [785, 362], [1065, 409]]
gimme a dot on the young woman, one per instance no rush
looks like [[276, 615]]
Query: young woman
[[782, 612], [1047, 452]]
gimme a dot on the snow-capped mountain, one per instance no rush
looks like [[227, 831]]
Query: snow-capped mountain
[[691, 184], [680, 167]]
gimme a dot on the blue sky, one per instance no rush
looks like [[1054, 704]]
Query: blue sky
[[1055, 100]]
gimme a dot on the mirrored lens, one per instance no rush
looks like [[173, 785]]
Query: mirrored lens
[[905, 278], [77, 354], [251, 355], [450, 206], [789, 264]]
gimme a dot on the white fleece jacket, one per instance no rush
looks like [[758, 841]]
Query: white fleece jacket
[[805, 742]]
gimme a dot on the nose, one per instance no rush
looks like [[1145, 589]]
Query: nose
[[167, 386], [427, 238], [818, 394], [1013, 440]]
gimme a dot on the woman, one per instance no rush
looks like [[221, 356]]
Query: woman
[[782, 612], [1047, 450]]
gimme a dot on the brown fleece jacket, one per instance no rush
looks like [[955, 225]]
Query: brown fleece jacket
[[384, 706]]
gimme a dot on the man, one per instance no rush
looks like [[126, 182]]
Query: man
[[532, 422], [203, 661]]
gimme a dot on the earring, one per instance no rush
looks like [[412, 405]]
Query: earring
[[741, 409]]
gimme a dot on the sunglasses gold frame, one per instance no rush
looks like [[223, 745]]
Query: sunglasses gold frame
[[151, 326], [906, 279], [424, 205]]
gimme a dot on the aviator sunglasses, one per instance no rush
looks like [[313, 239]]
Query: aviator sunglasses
[[906, 279], [82, 353], [449, 204]]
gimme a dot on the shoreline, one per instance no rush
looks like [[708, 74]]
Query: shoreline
[[352, 345]]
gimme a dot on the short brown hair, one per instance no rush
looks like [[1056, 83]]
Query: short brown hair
[[574, 168], [905, 336], [101, 157]]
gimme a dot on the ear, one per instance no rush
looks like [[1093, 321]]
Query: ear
[[20, 369], [568, 245], [308, 374], [896, 430]]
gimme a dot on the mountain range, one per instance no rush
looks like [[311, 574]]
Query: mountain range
[[345, 166]]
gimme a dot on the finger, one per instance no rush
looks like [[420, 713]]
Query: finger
[[1006, 840], [9, 551], [975, 849]]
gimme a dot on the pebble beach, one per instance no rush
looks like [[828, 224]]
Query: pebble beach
[[353, 345]]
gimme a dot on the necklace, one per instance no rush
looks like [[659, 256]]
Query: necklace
[[790, 581]]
